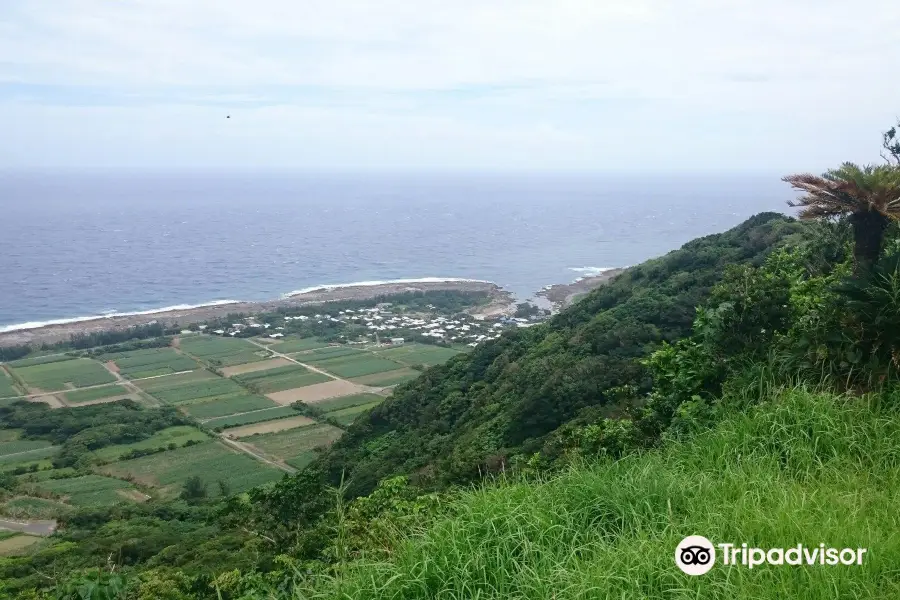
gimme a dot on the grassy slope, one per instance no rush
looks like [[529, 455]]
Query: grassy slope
[[804, 468], [505, 396]]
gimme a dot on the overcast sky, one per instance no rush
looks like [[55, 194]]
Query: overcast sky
[[605, 85]]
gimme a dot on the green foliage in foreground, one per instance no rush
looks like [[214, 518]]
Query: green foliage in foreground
[[801, 468]]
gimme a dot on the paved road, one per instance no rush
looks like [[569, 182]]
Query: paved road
[[42, 528]]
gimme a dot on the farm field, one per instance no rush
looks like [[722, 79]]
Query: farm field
[[98, 393], [269, 426], [334, 404], [345, 416], [150, 362], [387, 378], [172, 381], [17, 446], [292, 344], [316, 356], [249, 418], [8, 401], [7, 388], [280, 379], [177, 435], [61, 374], [33, 508], [17, 544], [179, 389], [316, 392], [418, 354], [222, 352], [39, 360], [221, 407], [211, 460], [27, 457], [262, 365], [88, 490], [293, 442], [358, 365], [300, 461]]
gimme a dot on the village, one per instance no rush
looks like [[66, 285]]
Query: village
[[383, 324]]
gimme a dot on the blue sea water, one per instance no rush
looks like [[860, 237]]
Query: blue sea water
[[75, 245]]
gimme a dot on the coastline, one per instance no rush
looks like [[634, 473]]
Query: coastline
[[563, 294], [63, 329]]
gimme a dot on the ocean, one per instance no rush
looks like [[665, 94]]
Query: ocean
[[76, 245]]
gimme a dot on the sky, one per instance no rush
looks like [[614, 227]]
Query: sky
[[537, 85]]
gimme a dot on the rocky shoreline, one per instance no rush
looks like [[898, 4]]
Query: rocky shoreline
[[49, 334], [562, 295]]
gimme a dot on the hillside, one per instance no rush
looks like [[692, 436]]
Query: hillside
[[475, 413]]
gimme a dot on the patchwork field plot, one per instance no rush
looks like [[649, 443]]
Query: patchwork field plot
[[269, 426], [262, 365], [151, 362], [98, 393], [249, 418], [8, 401], [292, 443], [230, 405], [300, 461], [358, 365], [88, 490], [33, 508], [17, 544], [63, 374], [387, 378], [316, 392], [18, 446], [418, 354], [345, 416], [177, 435], [211, 460], [315, 356], [7, 388], [222, 352], [40, 360], [190, 387], [162, 384], [280, 379], [291, 344], [27, 457], [333, 404]]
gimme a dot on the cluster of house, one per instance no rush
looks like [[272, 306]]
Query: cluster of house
[[380, 319]]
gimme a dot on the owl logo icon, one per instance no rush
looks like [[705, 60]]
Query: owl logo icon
[[695, 555]]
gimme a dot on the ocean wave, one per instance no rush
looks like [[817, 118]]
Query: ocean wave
[[332, 286], [110, 314], [591, 271]]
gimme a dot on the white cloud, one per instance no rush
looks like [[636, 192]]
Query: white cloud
[[512, 82]]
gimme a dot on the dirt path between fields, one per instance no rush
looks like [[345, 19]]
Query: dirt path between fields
[[246, 449]]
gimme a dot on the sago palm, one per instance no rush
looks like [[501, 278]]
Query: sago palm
[[869, 197]]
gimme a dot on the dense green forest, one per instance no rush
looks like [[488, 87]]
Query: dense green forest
[[743, 387]]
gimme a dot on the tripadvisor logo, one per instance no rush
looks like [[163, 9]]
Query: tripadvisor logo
[[696, 555]]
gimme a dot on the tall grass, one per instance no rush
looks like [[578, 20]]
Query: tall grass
[[801, 468]]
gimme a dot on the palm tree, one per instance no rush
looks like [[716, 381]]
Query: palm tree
[[868, 196]]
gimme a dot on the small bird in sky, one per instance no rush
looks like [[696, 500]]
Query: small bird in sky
[[227, 116]]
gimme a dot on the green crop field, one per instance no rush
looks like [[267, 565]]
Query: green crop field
[[39, 360], [80, 372], [223, 352], [316, 356], [17, 544], [345, 416], [110, 391], [7, 387], [419, 354], [170, 382], [281, 378], [87, 490], [291, 344], [387, 378], [342, 402], [357, 366], [28, 457], [221, 407], [16, 446], [290, 443], [211, 388], [300, 461], [151, 362], [270, 414], [211, 461], [177, 435], [33, 508], [9, 435]]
